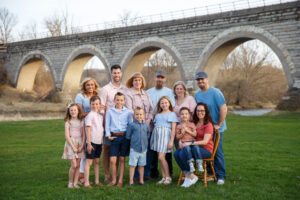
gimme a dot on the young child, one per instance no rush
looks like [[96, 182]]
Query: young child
[[75, 137], [163, 134], [94, 140], [138, 132], [186, 134], [116, 122]]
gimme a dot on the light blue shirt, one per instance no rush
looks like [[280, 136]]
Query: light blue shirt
[[84, 101], [117, 121], [214, 99], [155, 95], [165, 119]]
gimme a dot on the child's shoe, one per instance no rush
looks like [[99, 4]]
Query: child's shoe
[[192, 168], [70, 185], [76, 186], [161, 181], [168, 180], [200, 166]]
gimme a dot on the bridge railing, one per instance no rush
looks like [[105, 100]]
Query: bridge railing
[[179, 14]]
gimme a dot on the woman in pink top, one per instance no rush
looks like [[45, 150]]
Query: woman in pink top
[[182, 98], [137, 97]]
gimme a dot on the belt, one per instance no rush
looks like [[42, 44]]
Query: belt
[[118, 134]]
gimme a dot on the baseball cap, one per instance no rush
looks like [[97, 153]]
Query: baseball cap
[[201, 75], [160, 73]]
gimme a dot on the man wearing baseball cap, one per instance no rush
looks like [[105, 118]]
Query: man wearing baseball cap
[[216, 104], [155, 94]]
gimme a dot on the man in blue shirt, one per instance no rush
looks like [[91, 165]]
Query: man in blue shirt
[[216, 104], [138, 132], [155, 94]]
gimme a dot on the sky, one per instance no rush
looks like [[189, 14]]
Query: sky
[[88, 12]]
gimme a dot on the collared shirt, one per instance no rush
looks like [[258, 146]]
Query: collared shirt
[[107, 94], [143, 100], [186, 136], [138, 134], [157, 94], [95, 121], [84, 101], [214, 99], [116, 121]]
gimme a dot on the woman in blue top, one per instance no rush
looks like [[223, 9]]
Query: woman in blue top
[[163, 135], [89, 88]]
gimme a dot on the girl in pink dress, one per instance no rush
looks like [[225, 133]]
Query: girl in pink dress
[[75, 137]]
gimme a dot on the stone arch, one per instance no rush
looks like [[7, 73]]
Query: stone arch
[[150, 45], [26, 73], [86, 52], [216, 51]]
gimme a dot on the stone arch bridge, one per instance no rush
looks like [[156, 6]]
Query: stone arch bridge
[[196, 43]]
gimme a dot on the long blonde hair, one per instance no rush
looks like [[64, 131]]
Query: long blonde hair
[[159, 109], [83, 90]]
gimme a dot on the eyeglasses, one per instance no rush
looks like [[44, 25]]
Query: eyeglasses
[[201, 111]]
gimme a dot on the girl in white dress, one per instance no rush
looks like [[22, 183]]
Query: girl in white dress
[[163, 135]]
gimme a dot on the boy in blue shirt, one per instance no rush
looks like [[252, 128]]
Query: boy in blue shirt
[[116, 122], [138, 132]]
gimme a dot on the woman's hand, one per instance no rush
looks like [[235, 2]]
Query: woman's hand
[[180, 144], [80, 149], [75, 149]]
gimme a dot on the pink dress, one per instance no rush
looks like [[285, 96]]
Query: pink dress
[[75, 131]]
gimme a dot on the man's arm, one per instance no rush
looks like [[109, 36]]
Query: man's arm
[[222, 116]]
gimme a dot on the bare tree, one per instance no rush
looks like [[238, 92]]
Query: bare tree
[[247, 77], [129, 18], [60, 24], [161, 60], [7, 22], [29, 32]]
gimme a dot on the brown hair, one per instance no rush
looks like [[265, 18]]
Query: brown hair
[[68, 116], [184, 108], [184, 87], [119, 94], [95, 98], [83, 90], [159, 109], [129, 82], [207, 117]]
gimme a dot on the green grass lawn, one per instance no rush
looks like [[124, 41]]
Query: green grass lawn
[[262, 162]]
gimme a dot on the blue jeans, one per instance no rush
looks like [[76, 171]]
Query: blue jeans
[[197, 152], [181, 160], [219, 163]]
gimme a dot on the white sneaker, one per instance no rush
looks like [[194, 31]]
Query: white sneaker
[[192, 168], [188, 183], [220, 182], [194, 180], [200, 167], [184, 182]]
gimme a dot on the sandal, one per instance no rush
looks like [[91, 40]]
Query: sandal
[[161, 181], [70, 185], [168, 180]]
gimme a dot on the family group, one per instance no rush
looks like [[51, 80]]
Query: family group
[[118, 121]]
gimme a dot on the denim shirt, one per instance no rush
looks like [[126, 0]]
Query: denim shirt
[[138, 134]]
